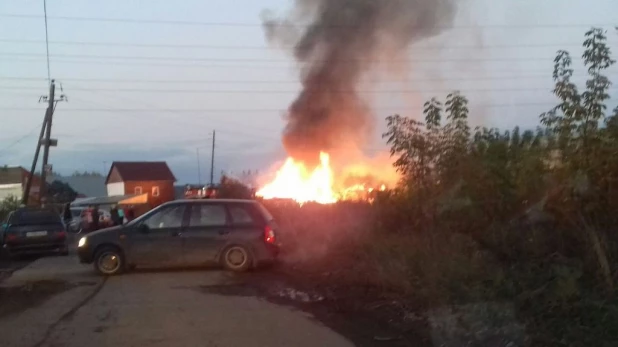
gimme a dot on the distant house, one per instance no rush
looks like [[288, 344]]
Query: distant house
[[152, 178], [13, 182]]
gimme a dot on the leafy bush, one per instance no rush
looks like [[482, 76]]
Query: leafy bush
[[7, 206]]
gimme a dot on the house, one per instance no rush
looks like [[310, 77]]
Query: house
[[152, 178], [13, 182]]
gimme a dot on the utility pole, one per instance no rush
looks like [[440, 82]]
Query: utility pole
[[212, 161], [47, 142], [199, 171]]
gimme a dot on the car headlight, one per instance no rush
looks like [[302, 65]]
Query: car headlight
[[82, 242]]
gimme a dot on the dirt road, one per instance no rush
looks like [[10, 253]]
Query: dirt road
[[162, 308]]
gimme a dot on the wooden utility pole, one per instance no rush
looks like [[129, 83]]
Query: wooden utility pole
[[48, 142], [199, 169], [44, 139], [212, 161]]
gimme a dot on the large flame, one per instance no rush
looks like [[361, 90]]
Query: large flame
[[294, 181]]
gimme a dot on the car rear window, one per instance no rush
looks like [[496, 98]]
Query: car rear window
[[242, 215], [267, 216], [33, 217]]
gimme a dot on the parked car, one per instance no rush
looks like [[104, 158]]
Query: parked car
[[237, 234], [34, 231]]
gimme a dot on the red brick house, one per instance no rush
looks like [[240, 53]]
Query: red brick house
[[152, 178]]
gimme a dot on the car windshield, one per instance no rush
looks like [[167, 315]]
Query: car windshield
[[33, 217]]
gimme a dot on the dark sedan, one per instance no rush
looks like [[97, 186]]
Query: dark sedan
[[34, 231], [237, 234]]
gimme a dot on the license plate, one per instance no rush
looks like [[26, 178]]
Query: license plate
[[36, 234]]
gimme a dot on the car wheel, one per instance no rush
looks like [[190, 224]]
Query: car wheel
[[109, 261], [236, 258]]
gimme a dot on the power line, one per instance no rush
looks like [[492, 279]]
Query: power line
[[226, 47], [244, 82], [253, 25], [47, 41], [274, 110], [218, 66], [234, 60], [12, 144], [317, 90]]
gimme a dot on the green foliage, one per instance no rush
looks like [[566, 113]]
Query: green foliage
[[230, 188], [60, 192], [543, 202], [86, 174], [7, 206]]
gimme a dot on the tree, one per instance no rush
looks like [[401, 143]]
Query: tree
[[60, 192], [8, 205], [230, 188], [86, 174]]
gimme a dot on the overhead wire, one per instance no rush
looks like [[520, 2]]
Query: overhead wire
[[309, 91], [20, 139], [218, 82], [288, 25], [423, 47], [278, 61]]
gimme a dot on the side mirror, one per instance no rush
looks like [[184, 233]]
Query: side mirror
[[143, 228]]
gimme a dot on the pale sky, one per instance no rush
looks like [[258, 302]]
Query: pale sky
[[155, 82]]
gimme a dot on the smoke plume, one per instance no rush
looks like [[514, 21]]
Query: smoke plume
[[336, 43]]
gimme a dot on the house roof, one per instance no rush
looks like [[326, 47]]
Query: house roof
[[142, 171], [9, 175]]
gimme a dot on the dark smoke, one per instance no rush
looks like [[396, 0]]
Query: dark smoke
[[337, 42]]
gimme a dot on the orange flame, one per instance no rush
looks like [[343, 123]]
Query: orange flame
[[293, 181]]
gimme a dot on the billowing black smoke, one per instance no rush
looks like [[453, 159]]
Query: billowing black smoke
[[337, 42]]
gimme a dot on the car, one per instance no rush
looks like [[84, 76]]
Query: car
[[30, 230], [237, 234]]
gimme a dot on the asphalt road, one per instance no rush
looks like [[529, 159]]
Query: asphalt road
[[174, 308]]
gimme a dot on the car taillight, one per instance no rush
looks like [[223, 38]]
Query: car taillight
[[62, 234], [269, 235], [11, 237]]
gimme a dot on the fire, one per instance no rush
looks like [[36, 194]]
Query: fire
[[294, 181]]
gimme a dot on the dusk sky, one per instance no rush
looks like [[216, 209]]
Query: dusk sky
[[150, 80]]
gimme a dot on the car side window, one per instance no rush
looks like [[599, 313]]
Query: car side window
[[241, 216], [207, 215], [170, 217]]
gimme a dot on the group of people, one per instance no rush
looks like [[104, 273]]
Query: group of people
[[90, 219]]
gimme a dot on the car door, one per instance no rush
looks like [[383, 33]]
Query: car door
[[155, 241], [206, 233]]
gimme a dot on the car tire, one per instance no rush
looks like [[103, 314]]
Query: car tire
[[236, 258], [109, 261]]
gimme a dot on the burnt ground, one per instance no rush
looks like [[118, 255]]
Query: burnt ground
[[366, 316]]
